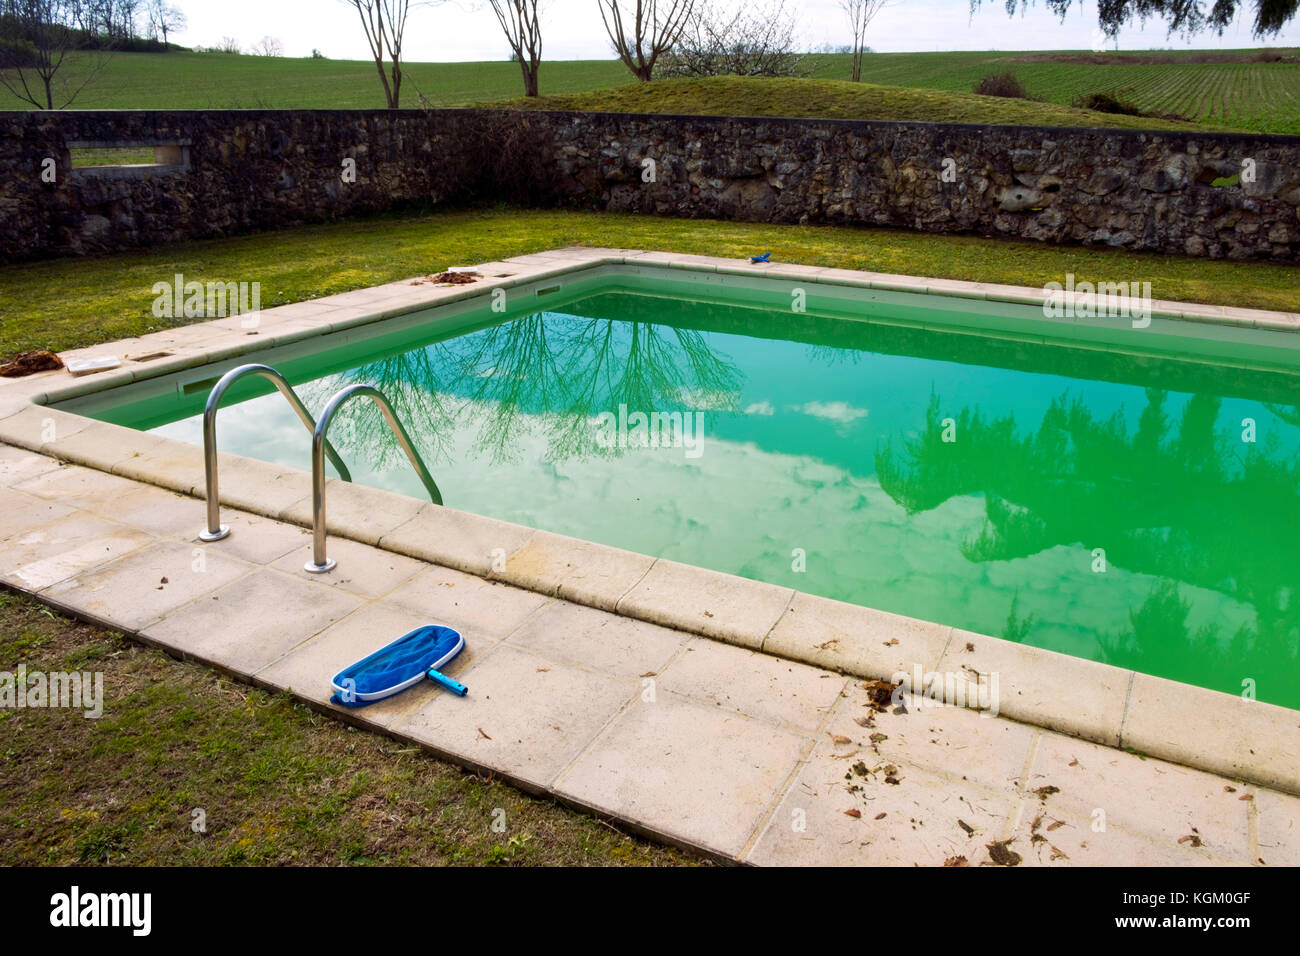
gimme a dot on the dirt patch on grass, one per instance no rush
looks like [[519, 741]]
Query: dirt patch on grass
[[187, 767]]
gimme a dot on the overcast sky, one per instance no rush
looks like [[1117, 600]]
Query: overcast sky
[[571, 29]]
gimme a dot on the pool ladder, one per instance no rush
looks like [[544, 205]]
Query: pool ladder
[[320, 447]]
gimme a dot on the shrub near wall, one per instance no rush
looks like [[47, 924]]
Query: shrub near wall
[[224, 172]]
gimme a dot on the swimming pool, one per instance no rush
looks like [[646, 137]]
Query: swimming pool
[[1123, 495]]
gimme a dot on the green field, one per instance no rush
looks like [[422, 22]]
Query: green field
[[838, 99], [1247, 94], [1257, 96]]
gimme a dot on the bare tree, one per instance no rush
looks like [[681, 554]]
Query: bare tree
[[384, 22], [164, 19], [751, 41], [861, 13], [228, 45], [519, 20], [656, 26], [268, 46], [36, 39]]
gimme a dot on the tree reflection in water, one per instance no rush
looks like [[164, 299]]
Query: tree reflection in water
[[1170, 499], [547, 372]]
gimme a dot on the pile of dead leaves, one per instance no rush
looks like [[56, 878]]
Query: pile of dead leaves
[[31, 362], [445, 278], [880, 694]]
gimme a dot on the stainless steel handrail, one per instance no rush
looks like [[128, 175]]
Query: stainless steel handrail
[[320, 563], [215, 530]]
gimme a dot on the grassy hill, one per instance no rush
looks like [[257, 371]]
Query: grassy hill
[[1234, 89], [749, 96]]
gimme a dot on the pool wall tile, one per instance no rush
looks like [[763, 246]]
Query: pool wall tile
[[1053, 690], [581, 571], [457, 539], [729, 608], [857, 640], [1222, 733]]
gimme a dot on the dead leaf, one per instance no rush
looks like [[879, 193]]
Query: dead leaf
[[955, 861], [840, 739], [880, 693], [881, 815], [1191, 838], [1042, 793], [970, 830], [1001, 854], [855, 814], [891, 642]]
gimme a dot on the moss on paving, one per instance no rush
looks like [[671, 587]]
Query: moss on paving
[[279, 783], [67, 303], [836, 99]]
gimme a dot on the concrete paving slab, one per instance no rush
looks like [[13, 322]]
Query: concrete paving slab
[[20, 513], [855, 639], [131, 592], [1279, 827], [1052, 690], [1161, 801], [592, 638], [525, 716], [473, 606], [781, 692], [252, 621], [1217, 732], [467, 542], [18, 465], [360, 568], [729, 608], [649, 767], [64, 547], [846, 812], [1045, 837], [988, 751], [580, 571]]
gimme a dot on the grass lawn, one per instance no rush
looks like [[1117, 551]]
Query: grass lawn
[[278, 782], [66, 303]]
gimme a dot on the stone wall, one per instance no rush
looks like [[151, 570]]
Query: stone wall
[[225, 172]]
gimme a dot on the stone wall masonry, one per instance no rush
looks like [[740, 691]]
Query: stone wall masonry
[[231, 171]]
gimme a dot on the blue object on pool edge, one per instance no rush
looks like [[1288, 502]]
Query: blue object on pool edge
[[762, 258], [399, 665]]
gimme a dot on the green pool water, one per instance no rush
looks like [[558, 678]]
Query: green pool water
[[1102, 503]]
